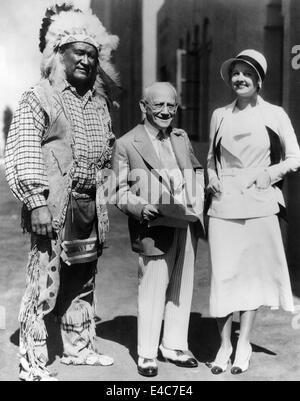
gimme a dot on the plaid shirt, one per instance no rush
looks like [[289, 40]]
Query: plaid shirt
[[25, 169]]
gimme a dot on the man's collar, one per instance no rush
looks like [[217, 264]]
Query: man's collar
[[67, 86], [153, 131], [149, 127], [64, 85]]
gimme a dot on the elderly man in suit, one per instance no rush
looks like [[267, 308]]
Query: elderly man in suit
[[151, 160]]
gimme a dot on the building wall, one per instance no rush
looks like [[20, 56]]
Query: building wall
[[270, 26], [291, 100], [231, 26], [124, 18], [150, 9]]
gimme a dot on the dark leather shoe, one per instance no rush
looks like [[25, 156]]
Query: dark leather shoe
[[189, 363], [215, 370], [236, 371], [147, 367], [221, 362], [179, 358]]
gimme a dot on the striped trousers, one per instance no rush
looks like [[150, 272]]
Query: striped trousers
[[165, 292]]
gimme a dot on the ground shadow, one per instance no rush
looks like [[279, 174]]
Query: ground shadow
[[15, 338], [204, 339], [122, 330]]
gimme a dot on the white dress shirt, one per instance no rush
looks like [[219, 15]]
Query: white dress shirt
[[174, 175]]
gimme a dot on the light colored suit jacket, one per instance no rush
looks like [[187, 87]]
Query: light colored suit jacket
[[285, 158], [137, 168]]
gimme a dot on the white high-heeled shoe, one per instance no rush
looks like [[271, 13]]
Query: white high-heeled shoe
[[241, 364], [221, 362]]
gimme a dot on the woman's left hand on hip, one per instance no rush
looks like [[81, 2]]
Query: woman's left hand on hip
[[262, 180]]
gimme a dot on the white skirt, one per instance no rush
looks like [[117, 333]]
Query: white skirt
[[249, 267]]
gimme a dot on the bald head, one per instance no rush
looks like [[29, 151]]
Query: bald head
[[159, 89]]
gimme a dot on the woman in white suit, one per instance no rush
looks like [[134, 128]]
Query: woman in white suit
[[253, 146]]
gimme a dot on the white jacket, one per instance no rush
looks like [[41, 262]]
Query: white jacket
[[236, 201]]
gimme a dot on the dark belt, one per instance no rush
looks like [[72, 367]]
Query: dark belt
[[85, 193]]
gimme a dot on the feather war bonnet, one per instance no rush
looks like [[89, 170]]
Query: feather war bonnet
[[63, 24]]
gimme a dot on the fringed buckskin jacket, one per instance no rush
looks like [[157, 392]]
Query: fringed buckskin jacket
[[60, 160]]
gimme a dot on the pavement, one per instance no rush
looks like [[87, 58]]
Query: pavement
[[276, 338]]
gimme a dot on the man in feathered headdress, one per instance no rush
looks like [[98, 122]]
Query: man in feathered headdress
[[59, 146]]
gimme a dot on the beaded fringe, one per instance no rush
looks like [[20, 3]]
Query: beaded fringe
[[31, 329]]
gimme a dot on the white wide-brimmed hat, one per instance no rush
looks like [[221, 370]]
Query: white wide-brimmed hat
[[251, 57]]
